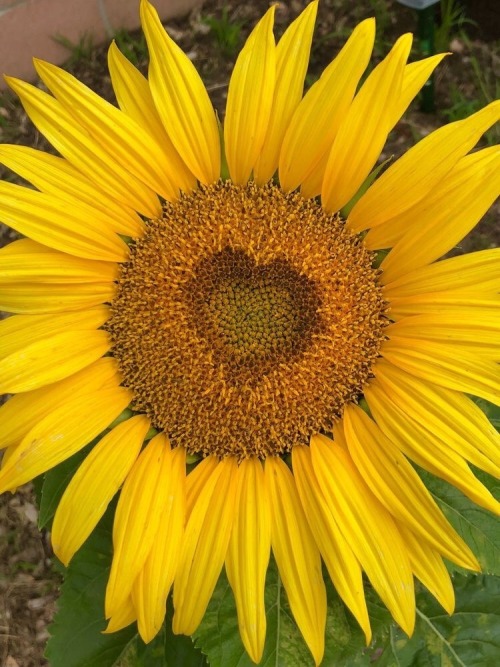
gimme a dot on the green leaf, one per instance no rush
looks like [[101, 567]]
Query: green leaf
[[55, 482], [364, 187], [477, 526], [491, 410], [76, 633], [218, 635], [469, 638]]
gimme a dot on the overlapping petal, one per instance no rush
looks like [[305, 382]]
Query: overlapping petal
[[94, 484], [367, 525], [363, 132], [137, 518], [79, 231], [396, 484], [420, 169], [248, 555], [434, 225], [206, 540], [181, 100], [59, 126], [292, 57], [153, 583], [424, 448], [62, 432], [59, 177], [297, 556], [134, 98], [250, 100], [343, 566], [21, 411], [315, 123]]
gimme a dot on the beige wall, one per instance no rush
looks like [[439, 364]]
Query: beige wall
[[27, 27]]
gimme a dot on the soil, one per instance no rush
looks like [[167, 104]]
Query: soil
[[28, 579]]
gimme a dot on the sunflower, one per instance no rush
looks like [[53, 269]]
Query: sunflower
[[261, 358]]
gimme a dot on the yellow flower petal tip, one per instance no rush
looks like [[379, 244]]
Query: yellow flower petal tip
[[206, 333]]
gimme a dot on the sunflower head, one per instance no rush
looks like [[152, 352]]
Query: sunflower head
[[258, 375]]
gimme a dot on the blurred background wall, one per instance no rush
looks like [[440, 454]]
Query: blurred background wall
[[28, 27]]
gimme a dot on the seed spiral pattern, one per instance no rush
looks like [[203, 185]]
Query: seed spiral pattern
[[245, 319]]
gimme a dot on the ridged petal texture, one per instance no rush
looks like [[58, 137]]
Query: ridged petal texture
[[250, 100], [370, 529], [94, 484], [292, 57], [153, 584], [297, 556], [248, 555], [206, 540], [181, 100], [315, 123], [139, 512], [363, 132]]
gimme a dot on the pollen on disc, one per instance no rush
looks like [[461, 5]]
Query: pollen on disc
[[245, 319]]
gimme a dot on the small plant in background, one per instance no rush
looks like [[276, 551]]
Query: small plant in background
[[453, 19], [226, 32], [486, 89], [131, 45], [80, 51]]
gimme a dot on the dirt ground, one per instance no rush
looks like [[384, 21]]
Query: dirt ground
[[28, 580]]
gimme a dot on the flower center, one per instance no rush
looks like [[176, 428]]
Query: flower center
[[252, 316], [245, 319]]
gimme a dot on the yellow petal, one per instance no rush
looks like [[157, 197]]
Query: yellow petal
[[82, 151], [476, 330], [292, 57], [444, 303], [22, 411], [475, 272], [248, 556], [453, 418], [124, 616], [197, 480], [51, 359], [398, 487], [438, 363], [420, 170], [118, 134], [363, 133], [28, 261], [436, 224], [57, 176], [154, 581], [45, 218], [422, 446], [428, 566], [134, 98], [21, 330], [250, 99], [316, 121], [94, 484], [205, 546], [137, 519], [297, 556], [37, 298], [368, 527], [414, 77], [63, 431], [343, 567], [181, 100]]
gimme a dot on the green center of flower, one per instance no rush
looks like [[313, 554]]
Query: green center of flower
[[245, 320]]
